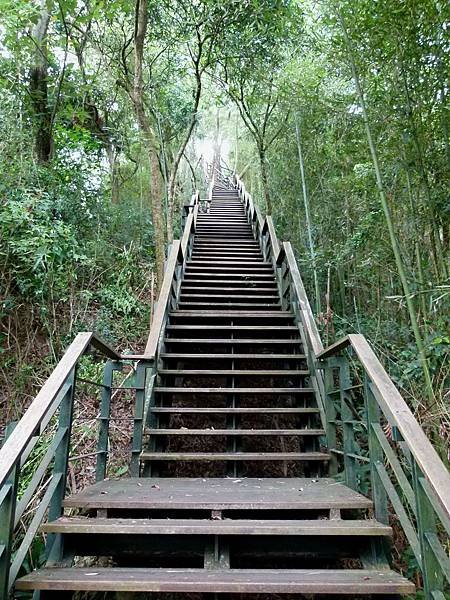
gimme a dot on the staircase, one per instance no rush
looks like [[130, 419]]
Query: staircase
[[234, 494]]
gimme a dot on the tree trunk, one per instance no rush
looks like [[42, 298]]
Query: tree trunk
[[265, 179], [178, 157], [43, 143], [141, 20], [312, 251], [113, 172]]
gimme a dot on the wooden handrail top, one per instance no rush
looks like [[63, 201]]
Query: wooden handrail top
[[396, 409], [104, 348], [335, 348], [307, 315], [158, 317], [16, 443], [273, 237]]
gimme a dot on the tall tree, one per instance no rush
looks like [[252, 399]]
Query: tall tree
[[39, 84], [150, 140]]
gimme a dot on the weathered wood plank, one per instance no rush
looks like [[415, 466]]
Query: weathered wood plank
[[308, 318], [219, 494], [235, 341], [234, 372], [235, 456], [261, 391], [265, 581], [320, 527], [235, 411], [158, 317], [235, 356], [236, 432]]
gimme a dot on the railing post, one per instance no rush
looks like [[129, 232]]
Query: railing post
[[8, 498], [330, 416], [139, 408], [426, 526], [376, 455], [53, 548], [105, 413], [285, 286], [347, 419]]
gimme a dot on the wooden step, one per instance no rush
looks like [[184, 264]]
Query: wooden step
[[227, 305], [215, 269], [236, 432], [225, 224], [219, 256], [292, 493], [234, 456], [186, 288], [273, 314], [118, 526], [178, 355], [234, 264], [228, 222], [234, 390], [269, 298], [227, 341], [251, 245], [230, 304], [244, 280], [212, 270], [234, 230], [234, 373], [244, 283], [225, 236], [250, 242], [228, 251], [229, 241], [234, 328], [194, 410], [239, 581]]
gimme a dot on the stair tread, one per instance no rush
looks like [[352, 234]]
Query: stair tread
[[234, 456], [173, 526], [269, 341], [185, 296], [265, 581], [232, 296], [296, 493], [238, 305], [233, 263], [194, 288], [236, 432], [234, 390], [229, 355], [236, 327], [224, 372], [235, 410], [276, 314]]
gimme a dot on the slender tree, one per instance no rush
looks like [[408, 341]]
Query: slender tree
[[150, 140]]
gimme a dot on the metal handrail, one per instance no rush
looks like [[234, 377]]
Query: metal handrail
[[398, 413], [58, 393], [429, 493], [44, 405]]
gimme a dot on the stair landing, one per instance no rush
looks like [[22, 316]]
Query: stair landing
[[218, 494]]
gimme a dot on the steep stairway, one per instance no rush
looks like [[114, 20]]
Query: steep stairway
[[234, 495]]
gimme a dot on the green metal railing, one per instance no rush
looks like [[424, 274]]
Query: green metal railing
[[49, 420], [378, 448]]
